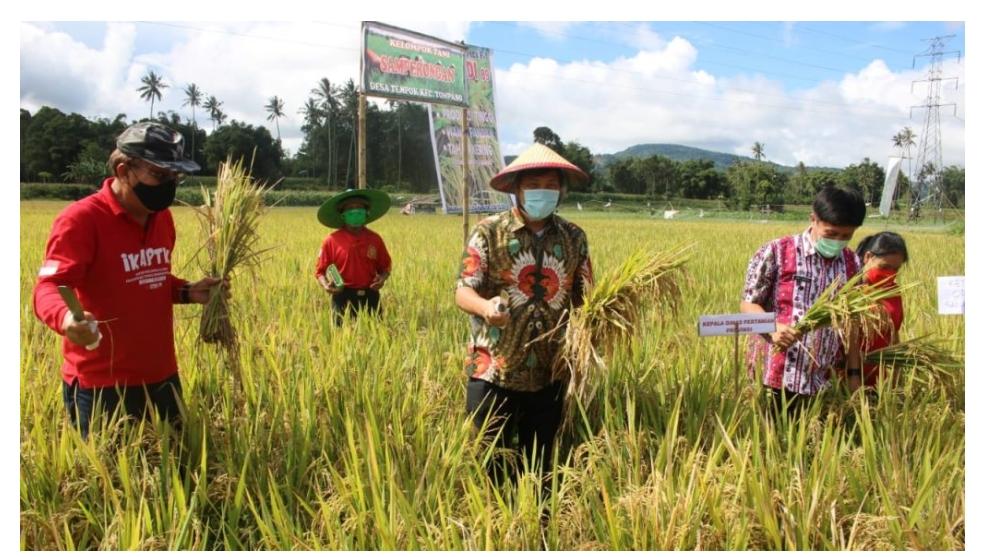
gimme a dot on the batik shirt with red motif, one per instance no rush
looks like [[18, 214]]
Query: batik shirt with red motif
[[539, 276]]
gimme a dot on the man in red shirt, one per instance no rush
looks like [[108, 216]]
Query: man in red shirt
[[113, 248], [358, 254]]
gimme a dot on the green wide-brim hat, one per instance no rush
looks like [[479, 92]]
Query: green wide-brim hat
[[329, 215]]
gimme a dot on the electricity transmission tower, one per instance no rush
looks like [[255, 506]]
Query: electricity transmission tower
[[928, 188]]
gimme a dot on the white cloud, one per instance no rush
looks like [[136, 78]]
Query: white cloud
[[242, 64], [654, 96], [657, 96], [789, 38], [888, 26], [554, 30]]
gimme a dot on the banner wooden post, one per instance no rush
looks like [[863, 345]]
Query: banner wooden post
[[361, 142], [735, 356], [465, 175]]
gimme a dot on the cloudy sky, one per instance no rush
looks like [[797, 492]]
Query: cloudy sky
[[825, 93]]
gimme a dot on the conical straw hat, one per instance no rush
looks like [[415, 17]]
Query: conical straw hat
[[537, 156]]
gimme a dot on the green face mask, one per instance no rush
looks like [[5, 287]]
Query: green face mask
[[829, 248], [354, 217]]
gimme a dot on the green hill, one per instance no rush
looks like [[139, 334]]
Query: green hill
[[679, 153]]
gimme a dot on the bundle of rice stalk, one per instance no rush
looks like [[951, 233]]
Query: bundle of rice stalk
[[925, 358], [850, 308], [611, 313], [230, 219]]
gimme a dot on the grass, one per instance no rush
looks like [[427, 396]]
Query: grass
[[356, 437]]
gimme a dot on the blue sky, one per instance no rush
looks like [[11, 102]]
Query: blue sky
[[826, 93]]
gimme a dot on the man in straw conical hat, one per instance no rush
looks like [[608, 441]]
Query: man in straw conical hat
[[353, 263], [520, 271]]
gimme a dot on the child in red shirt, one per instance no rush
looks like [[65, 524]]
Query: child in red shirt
[[882, 254], [358, 253]]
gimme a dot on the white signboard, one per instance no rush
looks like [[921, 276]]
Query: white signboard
[[741, 323], [950, 295]]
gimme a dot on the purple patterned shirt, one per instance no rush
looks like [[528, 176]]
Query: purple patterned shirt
[[786, 276]]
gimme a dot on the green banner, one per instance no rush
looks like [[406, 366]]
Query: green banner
[[402, 64], [485, 159]]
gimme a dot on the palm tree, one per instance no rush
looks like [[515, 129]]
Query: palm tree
[[153, 85], [757, 150], [193, 98], [312, 120], [903, 141], [276, 109], [212, 104], [326, 93], [312, 114]]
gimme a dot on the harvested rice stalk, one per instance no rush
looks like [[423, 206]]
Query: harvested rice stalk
[[230, 218], [611, 313], [851, 308], [924, 358]]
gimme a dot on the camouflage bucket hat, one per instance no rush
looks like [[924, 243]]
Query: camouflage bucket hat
[[156, 144]]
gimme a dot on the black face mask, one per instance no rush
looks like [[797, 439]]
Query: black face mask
[[156, 198]]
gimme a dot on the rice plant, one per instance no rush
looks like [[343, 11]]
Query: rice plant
[[356, 437]]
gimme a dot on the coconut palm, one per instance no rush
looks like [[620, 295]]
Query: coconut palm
[[276, 109], [329, 104], [213, 105], [903, 141], [193, 98], [757, 150], [312, 114], [312, 120], [152, 88]]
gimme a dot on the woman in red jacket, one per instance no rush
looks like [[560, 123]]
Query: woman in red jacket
[[882, 255]]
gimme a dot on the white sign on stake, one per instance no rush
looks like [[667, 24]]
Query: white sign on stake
[[748, 323], [950, 295]]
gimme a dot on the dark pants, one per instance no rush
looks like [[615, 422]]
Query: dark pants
[[782, 400], [524, 421], [137, 401], [351, 300]]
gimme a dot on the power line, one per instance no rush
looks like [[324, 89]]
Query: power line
[[527, 54], [248, 35], [774, 39], [856, 41], [799, 107], [692, 39]]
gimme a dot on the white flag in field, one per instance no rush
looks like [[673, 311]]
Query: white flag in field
[[889, 189]]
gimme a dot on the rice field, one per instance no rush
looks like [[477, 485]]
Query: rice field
[[356, 437]]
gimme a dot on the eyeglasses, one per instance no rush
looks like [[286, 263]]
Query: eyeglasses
[[160, 174]]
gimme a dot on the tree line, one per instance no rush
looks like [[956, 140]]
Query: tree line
[[59, 147]]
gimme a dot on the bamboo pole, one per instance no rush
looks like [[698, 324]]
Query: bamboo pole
[[466, 181], [361, 137]]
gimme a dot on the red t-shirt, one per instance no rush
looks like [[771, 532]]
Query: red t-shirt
[[121, 273], [894, 307], [359, 256]]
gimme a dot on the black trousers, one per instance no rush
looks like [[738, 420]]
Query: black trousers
[[351, 300], [779, 401], [526, 422], [137, 401]]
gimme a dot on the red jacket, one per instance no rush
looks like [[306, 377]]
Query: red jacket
[[358, 256], [121, 273], [894, 307]]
